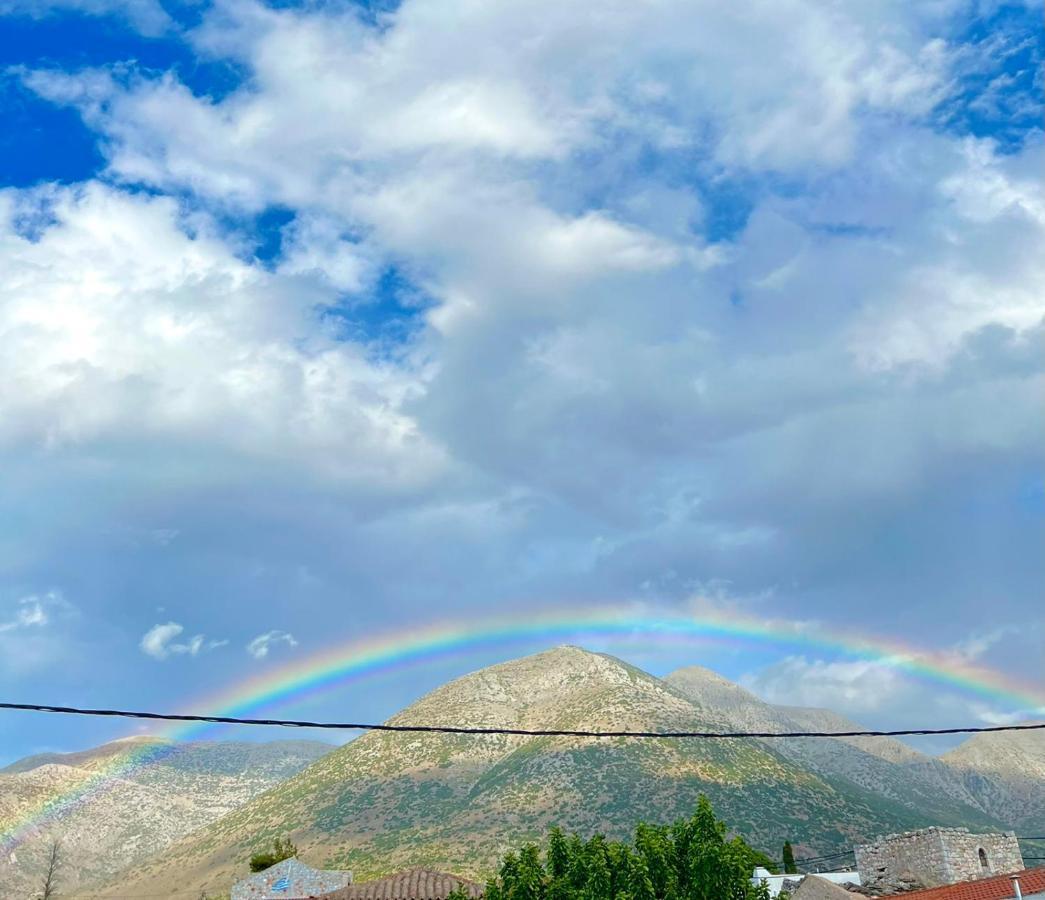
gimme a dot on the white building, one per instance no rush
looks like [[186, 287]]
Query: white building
[[775, 883]]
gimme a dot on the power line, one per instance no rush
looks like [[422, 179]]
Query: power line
[[813, 859], [534, 732]]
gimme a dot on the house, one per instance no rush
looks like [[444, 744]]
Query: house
[[412, 884], [290, 880], [932, 857], [778, 883], [1028, 884]]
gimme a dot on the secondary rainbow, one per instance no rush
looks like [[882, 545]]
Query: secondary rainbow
[[345, 663]]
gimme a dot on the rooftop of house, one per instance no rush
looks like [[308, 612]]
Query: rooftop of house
[[997, 887], [411, 884]]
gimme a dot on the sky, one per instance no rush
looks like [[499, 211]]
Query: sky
[[325, 320]]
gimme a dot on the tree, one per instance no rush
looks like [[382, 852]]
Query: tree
[[789, 859], [690, 860], [49, 885], [282, 849]]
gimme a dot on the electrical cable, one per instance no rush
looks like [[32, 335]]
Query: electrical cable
[[525, 732]]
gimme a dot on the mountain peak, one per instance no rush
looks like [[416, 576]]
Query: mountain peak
[[1002, 751]]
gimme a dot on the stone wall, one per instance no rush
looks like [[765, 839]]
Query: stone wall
[[931, 857]]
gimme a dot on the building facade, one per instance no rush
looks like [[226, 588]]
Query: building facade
[[935, 856]]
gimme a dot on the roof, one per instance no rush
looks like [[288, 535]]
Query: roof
[[816, 888], [290, 879], [997, 887], [412, 884]]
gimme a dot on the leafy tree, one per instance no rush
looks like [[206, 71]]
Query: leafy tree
[[689, 860], [789, 859], [282, 849]]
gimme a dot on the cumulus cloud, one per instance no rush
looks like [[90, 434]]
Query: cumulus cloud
[[117, 319], [684, 321], [159, 642], [261, 645]]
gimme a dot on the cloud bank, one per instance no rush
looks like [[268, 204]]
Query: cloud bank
[[454, 309]]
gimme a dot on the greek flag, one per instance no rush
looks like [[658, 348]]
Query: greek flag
[[282, 885]]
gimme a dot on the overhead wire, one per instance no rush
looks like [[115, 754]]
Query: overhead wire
[[524, 732]]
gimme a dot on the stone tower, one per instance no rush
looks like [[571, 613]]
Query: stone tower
[[935, 856]]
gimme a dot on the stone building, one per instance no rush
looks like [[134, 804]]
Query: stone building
[[935, 856]]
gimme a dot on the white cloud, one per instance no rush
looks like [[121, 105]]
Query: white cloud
[[116, 321], [159, 642], [31, 613], [36, 611], [260, 646], [878, 693], [858, 687], [148, 16], [330, 96], [603, 391]]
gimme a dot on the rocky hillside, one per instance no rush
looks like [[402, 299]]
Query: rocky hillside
[[887, 768], [1005, 772], [387, 801], [179, 789]]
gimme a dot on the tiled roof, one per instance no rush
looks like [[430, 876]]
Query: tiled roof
[[998, 887], [290, 879], [413, 884]]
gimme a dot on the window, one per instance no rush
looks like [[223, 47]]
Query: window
[[983, 860]]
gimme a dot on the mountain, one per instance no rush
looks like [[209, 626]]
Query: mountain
[[1005, 771], [457, 802], [886, 767], [178, 789]]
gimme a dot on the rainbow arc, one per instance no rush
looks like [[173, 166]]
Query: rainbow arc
[[355, 661]]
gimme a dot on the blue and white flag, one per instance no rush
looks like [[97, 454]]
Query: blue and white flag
[[282, 885]]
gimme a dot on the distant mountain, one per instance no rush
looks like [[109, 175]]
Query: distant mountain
[[1005, 772], [457, 802], [181, 788], [81, 758], [887, 768]]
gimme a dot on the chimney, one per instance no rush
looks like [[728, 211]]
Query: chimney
[[1016, 887]]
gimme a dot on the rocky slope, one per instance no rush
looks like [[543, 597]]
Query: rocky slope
[[175, 790], [1005, 772], [386, 801], [886, 767]]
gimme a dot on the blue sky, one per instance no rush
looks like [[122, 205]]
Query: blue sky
[[320, 320]]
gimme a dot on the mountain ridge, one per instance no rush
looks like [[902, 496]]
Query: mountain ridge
[[389, 800], [137, 813]]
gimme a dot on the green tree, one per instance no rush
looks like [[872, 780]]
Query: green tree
[[282, 849], [689, 860], [789, 859]]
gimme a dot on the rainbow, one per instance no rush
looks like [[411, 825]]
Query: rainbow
[[357, 660]]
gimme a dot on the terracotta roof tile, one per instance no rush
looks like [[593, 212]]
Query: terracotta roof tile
[[998, 887], [413, 884]]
